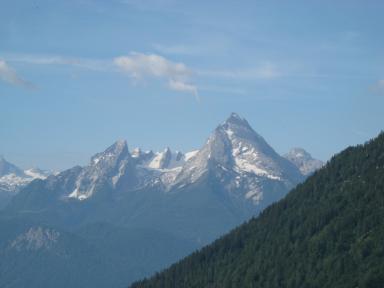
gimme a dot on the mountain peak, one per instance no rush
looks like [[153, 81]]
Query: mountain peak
[[236, 126], [119, 145], [117, 150], [299, 152], [9, 168], [234, 149], [234, 115], [105, 167], [303, 160], [235, 119]]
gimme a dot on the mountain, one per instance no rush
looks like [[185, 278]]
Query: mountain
[[12, 179], [233, 176], [327, 232], [303, 160], [183, 201], [106, 168], [242, 160]]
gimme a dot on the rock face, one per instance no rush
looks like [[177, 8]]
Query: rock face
[[106, 168], [35, 238], [304, 161]]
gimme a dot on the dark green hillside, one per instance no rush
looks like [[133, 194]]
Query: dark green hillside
[[328, 232]]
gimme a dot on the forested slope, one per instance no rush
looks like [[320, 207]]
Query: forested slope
[[327, 232]]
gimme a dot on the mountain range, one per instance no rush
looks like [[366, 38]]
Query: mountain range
[[129, 205]]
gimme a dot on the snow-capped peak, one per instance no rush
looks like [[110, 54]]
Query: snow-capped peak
[[236, 150], [250, 152], [12, 178], [111, 154], [108, 166]]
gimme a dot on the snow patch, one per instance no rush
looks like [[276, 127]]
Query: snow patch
[[190, 155]]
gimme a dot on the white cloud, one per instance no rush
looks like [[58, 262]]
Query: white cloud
[[183, 87], [9, 75], [140, 66]]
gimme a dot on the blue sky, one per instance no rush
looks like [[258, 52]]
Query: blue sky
[[77, 75]]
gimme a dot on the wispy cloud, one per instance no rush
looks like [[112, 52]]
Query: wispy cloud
[[223, 89], [264, 71], [183, 87], [139, 66], [176, 49], [9, 75], [91, 64], [181, 49]]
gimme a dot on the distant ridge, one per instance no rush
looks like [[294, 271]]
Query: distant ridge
[[303, 160], [13, 179]]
